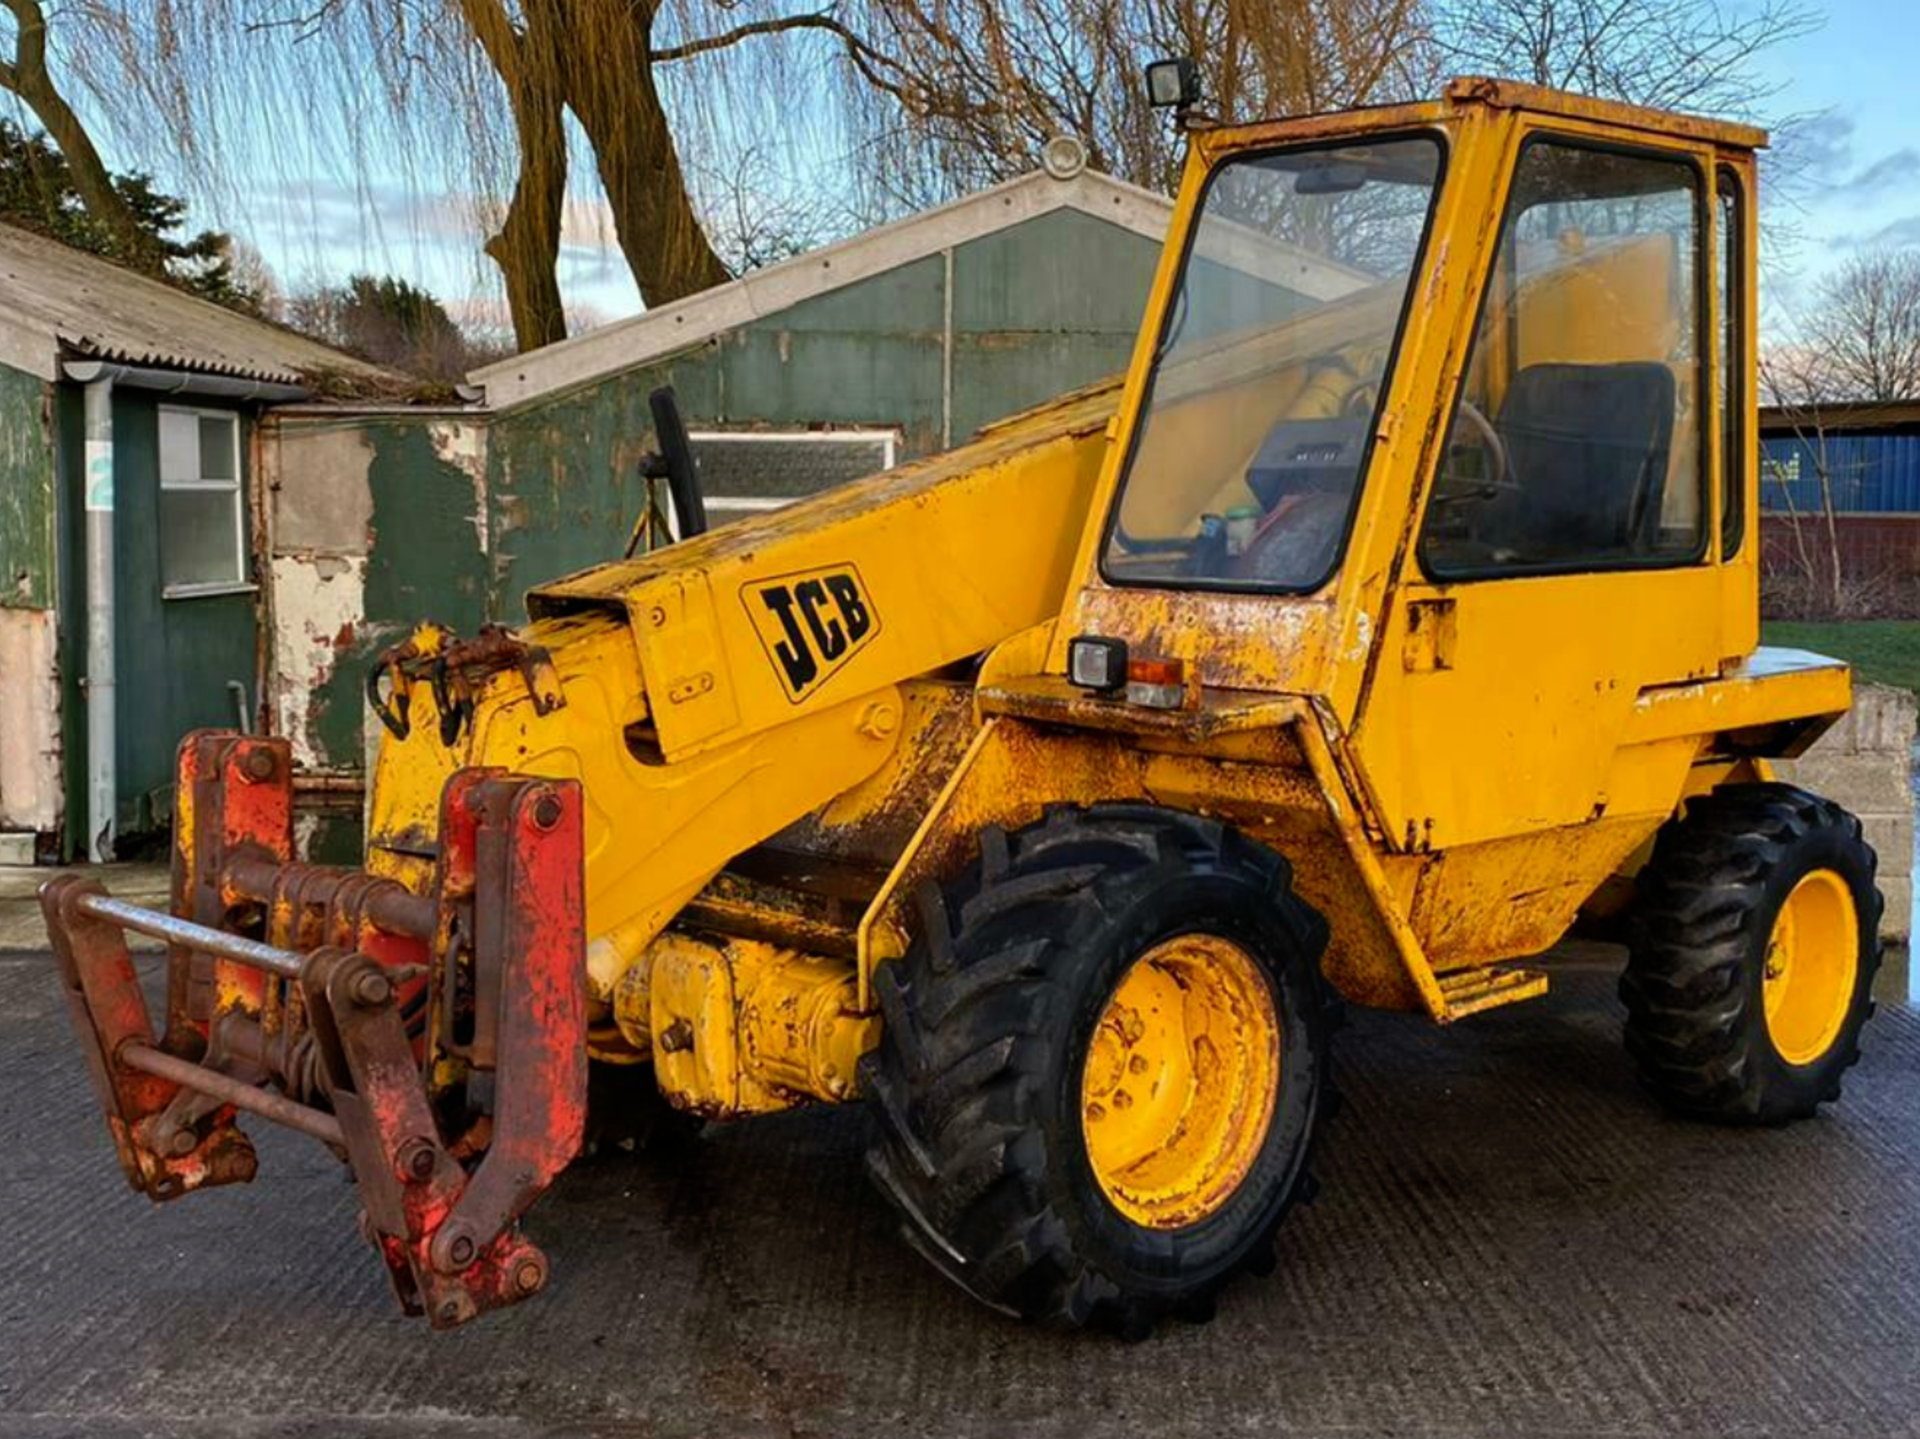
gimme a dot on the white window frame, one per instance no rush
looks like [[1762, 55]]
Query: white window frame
[[890, 439], [237, 486]]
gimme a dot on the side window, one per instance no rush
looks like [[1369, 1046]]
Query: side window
[[1734, 363], [202, 530], [1575, 443]]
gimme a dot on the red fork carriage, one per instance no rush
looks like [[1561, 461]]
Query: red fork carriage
[[435, 1042]]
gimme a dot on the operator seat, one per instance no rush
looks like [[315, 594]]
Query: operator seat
[[1587, 452]]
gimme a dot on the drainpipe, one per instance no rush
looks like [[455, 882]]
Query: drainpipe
[[99, 377], [102, 789]]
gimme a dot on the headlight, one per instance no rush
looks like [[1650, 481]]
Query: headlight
[[1172, 83], [1095, 663]]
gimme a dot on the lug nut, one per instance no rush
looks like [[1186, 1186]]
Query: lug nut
[[676, 1037], [371, 988], [1122, 1100], [1095, 1113]]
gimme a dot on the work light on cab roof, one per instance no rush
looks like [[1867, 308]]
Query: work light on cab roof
[[1173, 83]]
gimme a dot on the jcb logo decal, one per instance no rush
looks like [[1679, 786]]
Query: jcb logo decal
[[811, 623]]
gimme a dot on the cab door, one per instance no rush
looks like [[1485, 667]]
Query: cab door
[[1566, 556]]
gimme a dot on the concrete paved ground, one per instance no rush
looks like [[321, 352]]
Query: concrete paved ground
[[1510, 1241]]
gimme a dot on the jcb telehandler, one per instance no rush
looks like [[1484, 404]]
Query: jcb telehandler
[[1051, 794]]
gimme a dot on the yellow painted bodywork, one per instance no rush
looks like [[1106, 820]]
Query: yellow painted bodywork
[[785, 727]]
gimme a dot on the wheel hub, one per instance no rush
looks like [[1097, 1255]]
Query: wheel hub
[[1811, 964], [1180, 1081]]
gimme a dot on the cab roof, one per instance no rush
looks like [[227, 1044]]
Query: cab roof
[[1515, 95]]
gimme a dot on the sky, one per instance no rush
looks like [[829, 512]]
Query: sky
[[1856, 151], [1846, 101]]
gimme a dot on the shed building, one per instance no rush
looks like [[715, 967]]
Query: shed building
[[128, 425], [882, 348]]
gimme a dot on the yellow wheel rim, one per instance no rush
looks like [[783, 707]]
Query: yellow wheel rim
[[1813, 959], [1180, 1081]]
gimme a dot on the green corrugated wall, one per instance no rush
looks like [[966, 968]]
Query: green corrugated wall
[[1038, 308], [26, 491]]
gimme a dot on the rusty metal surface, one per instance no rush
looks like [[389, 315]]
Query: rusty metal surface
[[109, 1015], [436, 1041], [264, 1102], [454, 671], [1510, 1242]]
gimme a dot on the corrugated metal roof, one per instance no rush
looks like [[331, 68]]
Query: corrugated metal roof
[[1889, 416], [57, 302]]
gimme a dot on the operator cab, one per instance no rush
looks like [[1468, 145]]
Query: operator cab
[[1574, 437]]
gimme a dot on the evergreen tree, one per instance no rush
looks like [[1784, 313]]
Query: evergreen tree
[[37, 191]]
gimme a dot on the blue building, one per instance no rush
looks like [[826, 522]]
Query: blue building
[[1862, 461]]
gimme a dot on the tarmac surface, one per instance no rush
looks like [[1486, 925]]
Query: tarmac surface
[[1510, 1240]]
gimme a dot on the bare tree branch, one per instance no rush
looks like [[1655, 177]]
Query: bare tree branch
[[28, 77]]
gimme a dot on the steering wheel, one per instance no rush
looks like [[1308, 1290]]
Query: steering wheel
[[1499, 476]]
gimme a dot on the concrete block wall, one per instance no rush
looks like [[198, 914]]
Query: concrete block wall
[[1865, 762]]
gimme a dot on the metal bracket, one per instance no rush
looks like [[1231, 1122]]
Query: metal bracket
[[437, 1042], [454, 670]]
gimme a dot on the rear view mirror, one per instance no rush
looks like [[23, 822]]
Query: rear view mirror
[[1338, 178]]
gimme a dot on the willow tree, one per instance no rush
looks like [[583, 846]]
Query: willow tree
[[495, 101], [969, 91], [27, 74]]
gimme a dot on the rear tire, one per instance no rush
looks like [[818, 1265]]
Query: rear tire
[[1753, 947], [987, 1098]]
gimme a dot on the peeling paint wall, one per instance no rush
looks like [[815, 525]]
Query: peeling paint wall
[[379, 522], [29, 721], [26, 491], [319, 612], [29, 672]]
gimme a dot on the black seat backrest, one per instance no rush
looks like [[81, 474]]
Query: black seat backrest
[[1588, 447]]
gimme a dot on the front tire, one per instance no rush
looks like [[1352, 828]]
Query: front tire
[[1104, 1066], [1754, 944]]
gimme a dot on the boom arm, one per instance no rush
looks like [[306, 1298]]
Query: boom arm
[[719, 690]]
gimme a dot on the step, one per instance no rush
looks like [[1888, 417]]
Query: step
[[1468, 991]]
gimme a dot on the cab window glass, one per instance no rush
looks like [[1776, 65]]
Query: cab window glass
[[1272, 366], [1575, 442], [1733, 365]]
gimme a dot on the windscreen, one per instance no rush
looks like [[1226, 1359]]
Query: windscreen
[[1266, 386]]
